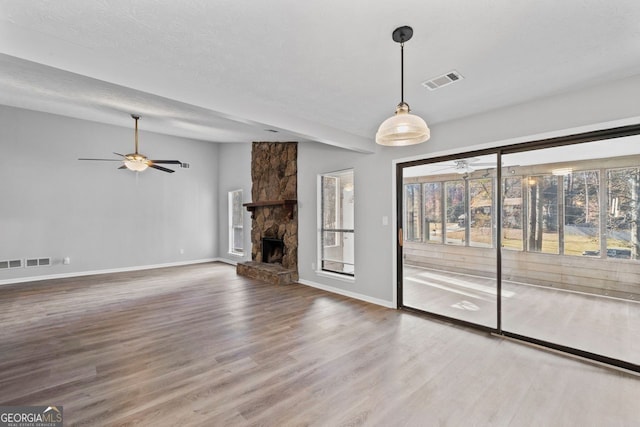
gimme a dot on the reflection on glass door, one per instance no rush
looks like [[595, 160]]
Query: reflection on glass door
[[449, 250]]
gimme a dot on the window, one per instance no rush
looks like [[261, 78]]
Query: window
[[543, 214], [581, 213], [455, 212], [623, 213], [481, 212], [433, 211], [512, 211], [413, 220], [569, 207], [337, 222], [236, 231]]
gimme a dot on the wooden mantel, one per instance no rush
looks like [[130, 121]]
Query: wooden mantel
[[287, 203]]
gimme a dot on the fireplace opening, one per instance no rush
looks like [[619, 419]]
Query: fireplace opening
[[272, 250]]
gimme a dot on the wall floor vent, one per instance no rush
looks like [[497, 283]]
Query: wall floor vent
[[443, 80], [37, 262], [12, 263]]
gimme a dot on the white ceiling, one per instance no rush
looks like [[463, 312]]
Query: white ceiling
[[316, 70]]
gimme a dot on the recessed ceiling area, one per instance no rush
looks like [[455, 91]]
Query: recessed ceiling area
[[324, 71]]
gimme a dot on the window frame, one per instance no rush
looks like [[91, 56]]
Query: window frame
[[338, 230], [233, 248]]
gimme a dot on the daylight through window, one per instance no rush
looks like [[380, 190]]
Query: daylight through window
[[337, 222], [236, 232]]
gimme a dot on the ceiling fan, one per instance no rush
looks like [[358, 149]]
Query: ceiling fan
[[465, 166], [138, 162]]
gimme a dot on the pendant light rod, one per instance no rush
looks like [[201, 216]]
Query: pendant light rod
[[402, 73], [136, 118], [401, 35]]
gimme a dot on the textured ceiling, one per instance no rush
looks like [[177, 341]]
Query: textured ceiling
[[325, 71]]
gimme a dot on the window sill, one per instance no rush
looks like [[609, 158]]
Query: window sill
[[236, 253]]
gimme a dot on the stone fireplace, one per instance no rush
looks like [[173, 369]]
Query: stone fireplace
[[274, 213]]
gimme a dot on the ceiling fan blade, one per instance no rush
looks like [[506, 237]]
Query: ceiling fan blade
[[173, 162], [160, 168], [104, 160], [482, 164], [122, 167], [118, 154]]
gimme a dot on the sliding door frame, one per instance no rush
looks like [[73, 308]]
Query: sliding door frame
[[611, 133]]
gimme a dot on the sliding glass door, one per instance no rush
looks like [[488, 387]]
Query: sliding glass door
[[545, 248], [575, 281], [449, 227]]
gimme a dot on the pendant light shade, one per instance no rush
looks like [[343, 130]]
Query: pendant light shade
[[402, 128]]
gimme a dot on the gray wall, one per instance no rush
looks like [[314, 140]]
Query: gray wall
[[234, 174], [373, 240], [53, 205], [589, 109], [90, 212]]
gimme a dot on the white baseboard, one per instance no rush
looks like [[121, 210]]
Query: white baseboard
[[106, 271], [355, 295], [230, 261]]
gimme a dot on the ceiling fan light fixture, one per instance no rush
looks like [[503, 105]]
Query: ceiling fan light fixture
[[136, 162], [402, 128]]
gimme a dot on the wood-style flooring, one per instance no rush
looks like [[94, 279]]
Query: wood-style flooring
[[200, 346]]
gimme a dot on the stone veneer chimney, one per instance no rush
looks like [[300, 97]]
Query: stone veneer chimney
[[274, 175]]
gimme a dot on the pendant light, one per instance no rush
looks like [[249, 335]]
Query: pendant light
[[402, 128]]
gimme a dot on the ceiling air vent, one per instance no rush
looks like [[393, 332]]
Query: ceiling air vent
[[443, 80]]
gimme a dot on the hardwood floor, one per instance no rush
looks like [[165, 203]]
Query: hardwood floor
[[198, 345]]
